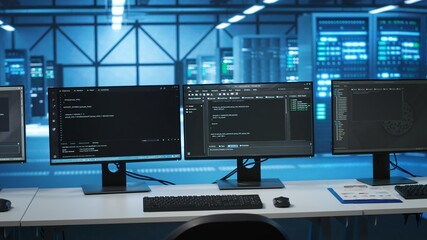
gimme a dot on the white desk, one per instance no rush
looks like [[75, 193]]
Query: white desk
[[69, 206], [20, 199], [309, 199], [408, 206]]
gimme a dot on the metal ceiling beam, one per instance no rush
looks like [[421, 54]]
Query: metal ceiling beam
[[158, 10]]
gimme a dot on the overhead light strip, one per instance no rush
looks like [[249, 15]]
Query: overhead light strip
[[119, 2], [222, 25], [117, 10], [270, 1], [411, 1], [117, 19], [8, 28], [253, 9], [383, 9], [236, 18]]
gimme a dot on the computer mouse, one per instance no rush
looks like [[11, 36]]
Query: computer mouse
[[281, 202], [5, 205]]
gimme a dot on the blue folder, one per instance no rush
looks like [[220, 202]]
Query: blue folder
[[363, 200]]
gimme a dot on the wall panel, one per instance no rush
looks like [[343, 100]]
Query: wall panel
[[79, 76], [117, 76], [156, 75]]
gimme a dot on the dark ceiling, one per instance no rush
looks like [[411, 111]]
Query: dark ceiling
[[97, 7], [9, 3]]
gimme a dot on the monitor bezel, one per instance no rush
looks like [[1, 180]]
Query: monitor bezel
[[251, 156], [92, 160], [334, 151]]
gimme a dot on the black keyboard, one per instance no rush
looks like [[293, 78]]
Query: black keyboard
[[201, 202], [412, 191]]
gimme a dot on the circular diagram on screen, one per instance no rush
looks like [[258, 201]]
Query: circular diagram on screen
[[400, 127]]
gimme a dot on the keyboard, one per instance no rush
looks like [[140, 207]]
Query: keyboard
[[201, 202], [412, 191]]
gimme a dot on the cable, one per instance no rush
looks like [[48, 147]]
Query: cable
[[144, 177], [396, 166], [147, 178], [245, 164], [234, 171]]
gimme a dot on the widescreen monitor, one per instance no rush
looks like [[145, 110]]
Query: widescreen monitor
[[114, 125], [248, 121], [379, 117], [12, 124]]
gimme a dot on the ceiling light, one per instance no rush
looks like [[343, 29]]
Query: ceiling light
[[412, 1], [1, 22], [253, 9], [8, 28], [383, 9], [117, 10], [117, 19], [116, 26], [270, 1], [236, 18], [222, 25], [118, 2]]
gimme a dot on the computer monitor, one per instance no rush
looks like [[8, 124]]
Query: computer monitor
[[248, 121], [379, 117], [114, 125], [12, 124]]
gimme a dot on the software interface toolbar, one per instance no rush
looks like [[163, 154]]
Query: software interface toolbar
[[248, 120]]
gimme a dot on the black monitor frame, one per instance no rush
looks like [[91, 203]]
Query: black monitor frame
[[279, 95], [155, 112], [379, 150], [12, 131]]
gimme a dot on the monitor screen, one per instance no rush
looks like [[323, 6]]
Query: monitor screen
[[379, 117], [248, 121], [12, 124], [114, 125]]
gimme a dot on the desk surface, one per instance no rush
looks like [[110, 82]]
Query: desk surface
[[69, 206], [20, 199], [408, 206]]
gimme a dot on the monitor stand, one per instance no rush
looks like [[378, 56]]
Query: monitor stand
[[114, 182], [249, 178], [381, 172]]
